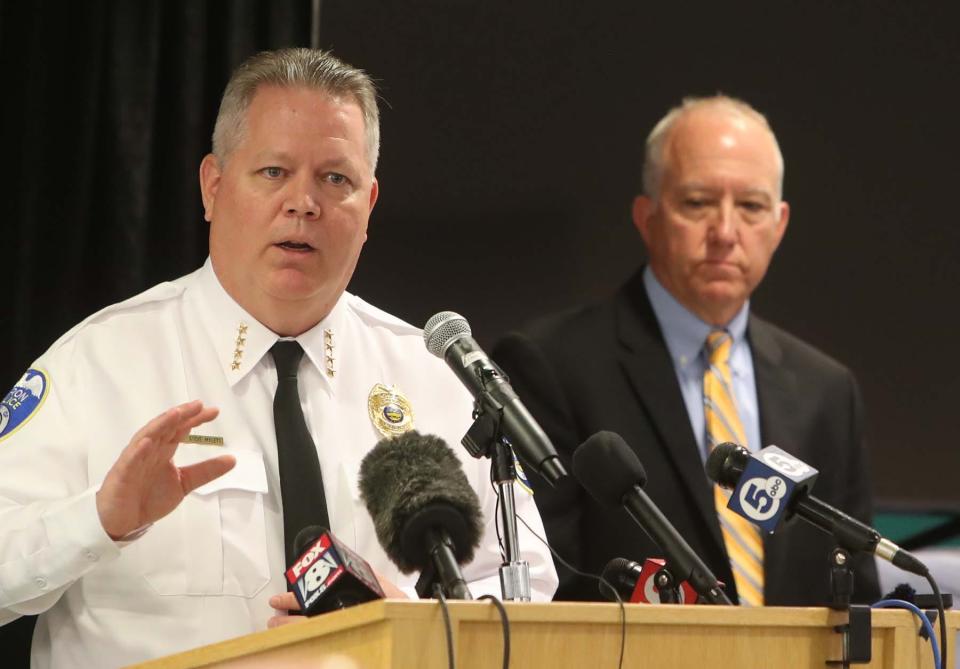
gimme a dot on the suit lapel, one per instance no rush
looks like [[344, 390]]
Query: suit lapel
[[776, 387], [777, 397], [644, 357]]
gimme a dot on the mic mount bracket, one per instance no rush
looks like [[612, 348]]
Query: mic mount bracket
[[487, 417], [856, 632], [667, 588]]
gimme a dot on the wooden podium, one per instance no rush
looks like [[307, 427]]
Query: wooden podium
[[410, 634]]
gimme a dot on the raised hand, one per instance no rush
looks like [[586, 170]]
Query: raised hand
[[144, 485]]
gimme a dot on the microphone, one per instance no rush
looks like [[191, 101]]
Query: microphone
[[426, 515], [771, 486], [328, 575], [447, 336], [635, 583], [612, 474]]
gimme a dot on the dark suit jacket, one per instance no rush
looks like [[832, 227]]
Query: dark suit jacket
[[606, 367]]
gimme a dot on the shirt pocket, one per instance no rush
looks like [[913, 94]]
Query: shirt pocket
[[214, 542]]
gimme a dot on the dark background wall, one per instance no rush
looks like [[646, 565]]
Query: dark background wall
[[513, 143], [513, 136]]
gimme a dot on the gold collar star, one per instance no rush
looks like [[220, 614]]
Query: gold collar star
[[328, 352], [239, 342]]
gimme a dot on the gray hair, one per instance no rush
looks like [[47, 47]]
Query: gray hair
[[288, 68], [653, 162]]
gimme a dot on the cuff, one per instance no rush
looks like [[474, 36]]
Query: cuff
[[76, 525]]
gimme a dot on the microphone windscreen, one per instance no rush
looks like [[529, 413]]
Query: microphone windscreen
[[607, 468], [413, 483], [726, 463]]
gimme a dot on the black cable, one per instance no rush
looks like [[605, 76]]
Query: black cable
[[505, 624], [448, 628], [496, 517], [943, 620], [598, 579]]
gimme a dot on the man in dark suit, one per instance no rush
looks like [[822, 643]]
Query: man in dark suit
[[711, 217]]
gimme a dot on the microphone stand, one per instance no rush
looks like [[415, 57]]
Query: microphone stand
[[856, 632], [485, 439]]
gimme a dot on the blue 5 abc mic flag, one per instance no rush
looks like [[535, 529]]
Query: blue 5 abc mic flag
[[770, 486], [770, 479]]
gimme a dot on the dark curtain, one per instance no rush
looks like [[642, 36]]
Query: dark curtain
[[108, 109]]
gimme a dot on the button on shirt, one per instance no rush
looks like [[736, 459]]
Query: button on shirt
[[685, 335], [206, 571]]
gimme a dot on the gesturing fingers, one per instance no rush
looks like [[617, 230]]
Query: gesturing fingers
[[153, 446], [164, 427], [173, 425], [188, 422], [195, 475]]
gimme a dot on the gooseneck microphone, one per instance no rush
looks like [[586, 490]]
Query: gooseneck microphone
[[328, 575], [447, 336], [771, 486], [425, 514], [612, 474]]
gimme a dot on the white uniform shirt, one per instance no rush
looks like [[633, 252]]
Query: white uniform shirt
[[205, 572]]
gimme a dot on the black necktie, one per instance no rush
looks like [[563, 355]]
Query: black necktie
[[301, 485]]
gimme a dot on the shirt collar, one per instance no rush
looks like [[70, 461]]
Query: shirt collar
[[684, 332], [241, 341]]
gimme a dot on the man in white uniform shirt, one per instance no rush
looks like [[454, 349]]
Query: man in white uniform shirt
[[135, 547]]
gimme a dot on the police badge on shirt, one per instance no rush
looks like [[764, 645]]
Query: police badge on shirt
[[389, 410]]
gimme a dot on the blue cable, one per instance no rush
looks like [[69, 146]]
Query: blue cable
[[901, 604]]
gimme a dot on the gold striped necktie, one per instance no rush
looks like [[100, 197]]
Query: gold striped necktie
[[742, 539]]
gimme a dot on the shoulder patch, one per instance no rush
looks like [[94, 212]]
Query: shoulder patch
[[23, 401]]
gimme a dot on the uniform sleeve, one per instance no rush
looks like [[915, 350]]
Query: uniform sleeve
[[50, 532]]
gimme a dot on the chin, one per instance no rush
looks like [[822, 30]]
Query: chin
[[722, 298], [289, 284], [297, 292]]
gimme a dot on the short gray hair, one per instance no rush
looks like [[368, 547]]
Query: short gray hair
[[289, 68], [656, 141]]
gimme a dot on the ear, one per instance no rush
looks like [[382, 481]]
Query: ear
[[374, 194], [643, 208], [781, 224], [210, 174]]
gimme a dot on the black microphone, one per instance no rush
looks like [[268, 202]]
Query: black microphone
[[636, 583], [612, 474], [426, 515], [328, 575], [621, 575], [447, 336], [753, 477]]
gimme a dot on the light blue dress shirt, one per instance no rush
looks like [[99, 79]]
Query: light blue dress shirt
[[686, 335]]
